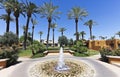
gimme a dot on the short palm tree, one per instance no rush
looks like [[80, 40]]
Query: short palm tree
[[29, 8], [40, 33], [62, 30], [102, 37], [93, 37], [118, 33], [82, 33], [90, 23], [5, 17], [49, 11], [77, 13], [34, 22], [53, 26]]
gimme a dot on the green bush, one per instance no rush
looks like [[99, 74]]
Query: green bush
[[104, 52], [8, 39], [116, 52], [79, 47], [12, 57]]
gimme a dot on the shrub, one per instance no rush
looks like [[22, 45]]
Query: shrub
[[8, 39], [117, 52], [12, 57], [79, 47], [104, 52]]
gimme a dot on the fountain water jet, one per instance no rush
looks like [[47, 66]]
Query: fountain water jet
[[61, 65]]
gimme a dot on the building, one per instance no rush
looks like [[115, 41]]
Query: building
[[98, 44], [50, 43]]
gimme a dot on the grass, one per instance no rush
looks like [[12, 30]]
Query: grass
[[88, 53], [28, 53], [25, 53]]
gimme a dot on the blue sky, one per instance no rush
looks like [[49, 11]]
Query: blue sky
[[105, 12]]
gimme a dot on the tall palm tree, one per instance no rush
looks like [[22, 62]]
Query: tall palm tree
[[62, 30], [40, 35], [77, 13], [5, 17], [90, 23], [49, 11], [5, 5], [118, 33], [34, 22], [29, 8], [17, 8], [53, 26], [82, 34]]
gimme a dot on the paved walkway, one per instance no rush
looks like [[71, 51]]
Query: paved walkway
[[21, 70]]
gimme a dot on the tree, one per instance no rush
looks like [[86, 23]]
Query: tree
[[17, 8], [102, 37], [49, 11], [93, 37], [29, 8], [62, 30], [34, 22], [53, 26], [77, 13], [82, 33], [90, 23], [40, 35], [63, 40], [5, 5], [8, 39], [118, 33], [5, 17]]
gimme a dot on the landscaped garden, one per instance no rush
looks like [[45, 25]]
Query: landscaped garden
[[16, 44]]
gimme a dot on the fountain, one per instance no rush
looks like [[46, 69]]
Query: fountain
[[60, 68], [61, 65]]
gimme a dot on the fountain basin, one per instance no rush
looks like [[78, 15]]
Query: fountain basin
[[47, 69]]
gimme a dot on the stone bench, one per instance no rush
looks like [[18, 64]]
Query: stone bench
[[3, 63], [114, 59]]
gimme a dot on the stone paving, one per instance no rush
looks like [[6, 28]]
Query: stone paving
[[21, 70]]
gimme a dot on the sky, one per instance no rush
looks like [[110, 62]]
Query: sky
[[106, 13]]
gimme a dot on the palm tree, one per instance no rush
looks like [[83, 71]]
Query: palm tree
[[118, 33], [77, 13], [17, 9], [62, 30], [29, 8], [34, 22], [102, 37], [82, 33], [49, 11], [40, 35], [93, 37], [53, 26], [7, 7], [5, 17], [90, 23]]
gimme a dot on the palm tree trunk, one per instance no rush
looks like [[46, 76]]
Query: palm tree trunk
[[53, 37], [40, 38], [32, 33], [82, 36], [49, 23], [17, 28], [8, 23], [90, 32], [62, 33], [76, 21], [26, 32]]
